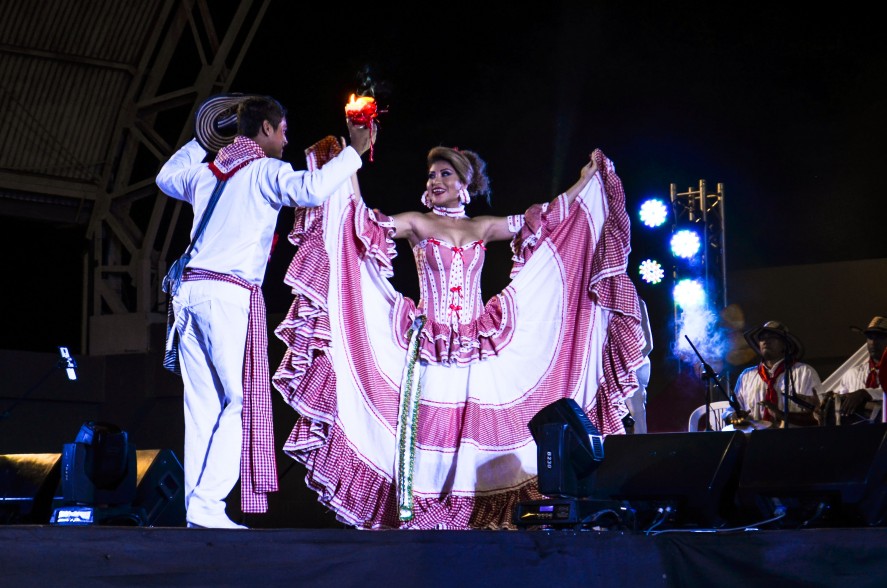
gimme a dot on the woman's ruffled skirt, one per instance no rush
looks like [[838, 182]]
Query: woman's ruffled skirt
[[568, 325]]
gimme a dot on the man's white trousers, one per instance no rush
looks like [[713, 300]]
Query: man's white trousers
[[211, 318]]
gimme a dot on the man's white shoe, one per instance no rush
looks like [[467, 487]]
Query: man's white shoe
[[215, 523]]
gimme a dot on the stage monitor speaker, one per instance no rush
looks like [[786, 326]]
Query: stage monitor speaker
[[28, 485], [817, 476], [692, 477], [161, 488]]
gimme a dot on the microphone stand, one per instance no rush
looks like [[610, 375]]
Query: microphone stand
[[710, 375], [789, 390], [787, 374]]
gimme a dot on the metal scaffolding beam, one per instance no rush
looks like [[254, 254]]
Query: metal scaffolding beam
[[133, 224], [703, 212]]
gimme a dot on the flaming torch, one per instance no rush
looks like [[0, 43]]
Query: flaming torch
[[362, 110]]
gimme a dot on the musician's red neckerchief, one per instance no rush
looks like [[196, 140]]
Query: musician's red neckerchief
[[772, 396], [871, 380]]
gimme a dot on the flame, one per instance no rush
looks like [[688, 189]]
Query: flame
[[358, 103], [361, 110]]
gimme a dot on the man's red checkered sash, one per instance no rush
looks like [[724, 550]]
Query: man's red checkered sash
[[258, 468]]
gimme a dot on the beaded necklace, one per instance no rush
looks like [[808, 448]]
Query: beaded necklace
[[457, 212]]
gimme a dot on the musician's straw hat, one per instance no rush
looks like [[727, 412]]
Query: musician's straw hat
[[877, 326], [793, 344]]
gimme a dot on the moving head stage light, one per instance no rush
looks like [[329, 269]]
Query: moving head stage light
[[569, 449], [98, 478]]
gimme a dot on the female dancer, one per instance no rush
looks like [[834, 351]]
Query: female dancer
[[414, 415]]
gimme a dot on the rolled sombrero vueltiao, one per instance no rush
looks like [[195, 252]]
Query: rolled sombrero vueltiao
[[215, 124]]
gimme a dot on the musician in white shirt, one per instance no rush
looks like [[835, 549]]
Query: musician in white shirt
[[760, 389], [861, 383]]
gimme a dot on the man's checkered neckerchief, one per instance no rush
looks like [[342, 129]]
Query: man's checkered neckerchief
[[234, 156]]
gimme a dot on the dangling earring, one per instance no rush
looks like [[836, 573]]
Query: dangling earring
[[464, 196], [425, 199]]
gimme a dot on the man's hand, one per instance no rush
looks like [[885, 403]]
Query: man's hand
[[735, 417], [361, 137], [805, 418], [854, 401]]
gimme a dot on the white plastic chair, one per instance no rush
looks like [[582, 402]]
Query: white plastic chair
[[715, 416]]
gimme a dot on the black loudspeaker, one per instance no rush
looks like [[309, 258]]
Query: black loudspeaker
[[817, 476], [682, 479], [161, 488]]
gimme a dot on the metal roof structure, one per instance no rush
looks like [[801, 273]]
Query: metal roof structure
[[96, 96]]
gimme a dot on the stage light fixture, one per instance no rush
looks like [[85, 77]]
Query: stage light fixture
[[653, 213], [651, 271], [685, 243], [98, 478], [689, 293], [569, 449]]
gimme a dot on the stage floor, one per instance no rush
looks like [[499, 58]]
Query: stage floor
[[708, 476], [43, 555]]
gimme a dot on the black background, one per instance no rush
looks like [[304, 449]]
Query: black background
[[785, 107]]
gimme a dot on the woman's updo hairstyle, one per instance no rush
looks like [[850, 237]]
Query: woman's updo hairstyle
[[468, 165]]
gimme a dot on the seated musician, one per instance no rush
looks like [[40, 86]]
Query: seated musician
[[760, 390], [859, 389]]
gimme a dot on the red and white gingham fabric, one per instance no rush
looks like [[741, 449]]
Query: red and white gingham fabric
[[234, 156], [258, 468]]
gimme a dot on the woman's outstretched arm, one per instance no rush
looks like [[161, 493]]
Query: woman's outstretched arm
[[585, 174], [501, 228]]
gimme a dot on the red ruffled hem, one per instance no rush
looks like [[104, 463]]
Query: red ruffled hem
[[343, 482], [613, 290], [306, 328]]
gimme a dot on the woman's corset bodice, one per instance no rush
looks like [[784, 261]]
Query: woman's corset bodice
[[449, 280]]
